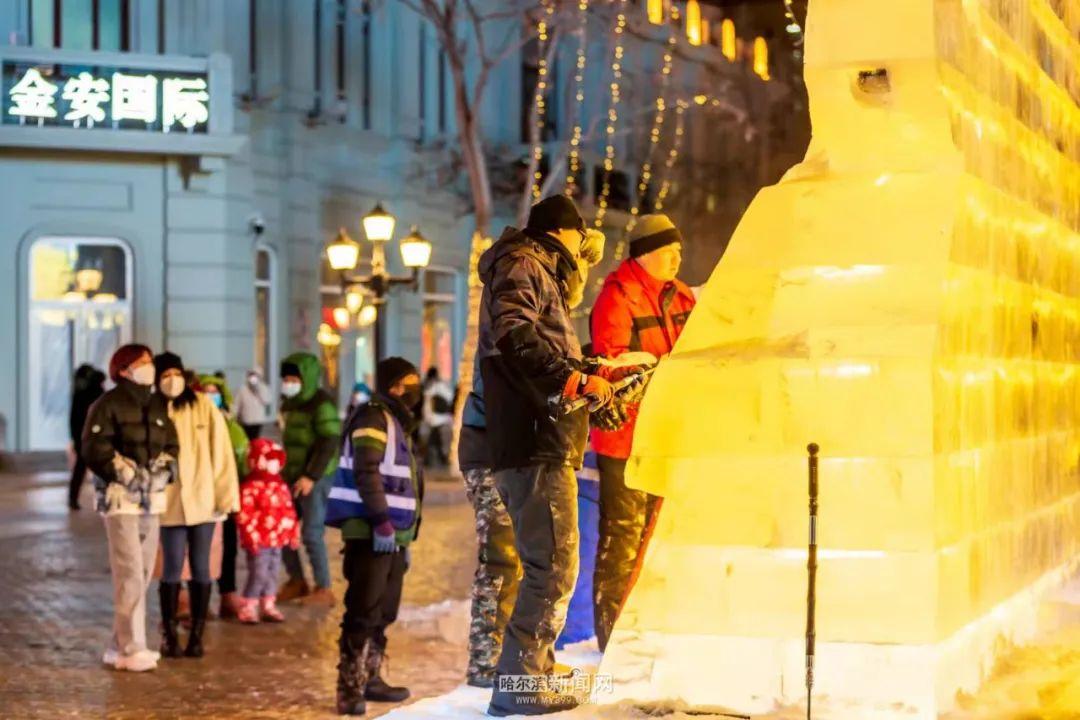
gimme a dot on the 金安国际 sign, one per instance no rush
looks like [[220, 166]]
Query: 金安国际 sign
[[76, 96]]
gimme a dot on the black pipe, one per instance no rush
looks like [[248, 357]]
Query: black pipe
[[811, 576]]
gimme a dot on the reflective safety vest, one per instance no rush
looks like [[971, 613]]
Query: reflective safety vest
[[396, 470]]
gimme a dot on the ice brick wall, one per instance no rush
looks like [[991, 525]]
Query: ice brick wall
[[909, 298]]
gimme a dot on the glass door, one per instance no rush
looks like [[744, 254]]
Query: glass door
[[79, 312]]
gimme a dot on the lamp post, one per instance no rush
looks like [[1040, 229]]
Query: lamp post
[[343, 254]]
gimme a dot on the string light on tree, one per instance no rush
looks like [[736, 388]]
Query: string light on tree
[[673, 155], [793, 26], [574, 156], [612, 115], [543, 29], [654, 132]]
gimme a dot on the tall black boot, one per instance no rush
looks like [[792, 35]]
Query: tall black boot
[[169, 596], [200, 606], [352, 676], [378, 689]]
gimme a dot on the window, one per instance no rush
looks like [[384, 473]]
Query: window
[[80, 24], [437, 328], [341, 14], [442, 92], [79, 312], [316, 108], [365, 97], [264, 351], [421, 91], [253, 49]]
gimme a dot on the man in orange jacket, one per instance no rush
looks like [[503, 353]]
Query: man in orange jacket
[[641, 308]]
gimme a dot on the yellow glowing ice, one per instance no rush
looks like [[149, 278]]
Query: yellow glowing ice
[[908, 297]]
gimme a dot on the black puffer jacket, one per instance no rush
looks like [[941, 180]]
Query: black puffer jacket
[[129, 420], [528, 350]]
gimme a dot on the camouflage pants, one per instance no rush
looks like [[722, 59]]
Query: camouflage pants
[[497, 573]]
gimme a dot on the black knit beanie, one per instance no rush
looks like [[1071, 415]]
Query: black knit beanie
[[390, 370], [554, 213], [167, 361]]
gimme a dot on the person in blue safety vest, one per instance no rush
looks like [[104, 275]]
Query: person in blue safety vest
[[375, 500]]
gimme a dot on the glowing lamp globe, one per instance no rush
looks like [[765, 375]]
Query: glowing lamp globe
[[367, 316], [344, 252], [415, 250], [379, 224], [354, 300], [341, 317]]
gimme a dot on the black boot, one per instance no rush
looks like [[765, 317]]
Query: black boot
[[378, 689], [200, 606], [169, 596], [352, 677]]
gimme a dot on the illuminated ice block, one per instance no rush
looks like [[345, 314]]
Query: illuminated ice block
[[908, 298]]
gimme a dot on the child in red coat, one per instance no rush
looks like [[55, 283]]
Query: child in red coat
[[266, 523]]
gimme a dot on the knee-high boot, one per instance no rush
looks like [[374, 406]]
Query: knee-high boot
[[200, 607], [169, 596]]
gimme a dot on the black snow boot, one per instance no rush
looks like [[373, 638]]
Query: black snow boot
[[378, 689], [505, 703], [169, 596], [352, 675], [200, 607]]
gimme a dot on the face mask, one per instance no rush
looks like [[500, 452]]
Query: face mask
[[171, 387], [216, 399], [291, 389], [143, 375], [575, 285], [412, 396]]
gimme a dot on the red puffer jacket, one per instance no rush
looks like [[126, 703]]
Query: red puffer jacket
[[635, 312], [267, 518]]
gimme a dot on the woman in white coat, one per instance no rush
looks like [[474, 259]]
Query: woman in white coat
[[205, 492]]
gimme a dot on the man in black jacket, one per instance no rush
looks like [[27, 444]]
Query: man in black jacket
[[529, 358], [87, 386]]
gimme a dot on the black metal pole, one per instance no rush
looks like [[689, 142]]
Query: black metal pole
[[811, 576], [380, 330]]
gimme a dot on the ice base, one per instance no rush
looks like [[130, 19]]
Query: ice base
[[853, 681]]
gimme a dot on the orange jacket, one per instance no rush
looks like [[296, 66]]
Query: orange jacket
[[635, 312]]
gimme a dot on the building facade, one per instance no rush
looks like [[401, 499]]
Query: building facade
[[172, 170]]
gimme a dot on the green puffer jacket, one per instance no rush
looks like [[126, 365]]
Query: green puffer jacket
[[312, 429]]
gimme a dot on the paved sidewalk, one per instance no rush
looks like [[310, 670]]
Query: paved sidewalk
[[55, 615]]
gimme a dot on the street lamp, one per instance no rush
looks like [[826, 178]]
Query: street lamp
[[379, 224], [415, 249], [343, 254]]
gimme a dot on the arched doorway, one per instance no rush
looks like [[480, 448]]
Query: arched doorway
[[79, 312]]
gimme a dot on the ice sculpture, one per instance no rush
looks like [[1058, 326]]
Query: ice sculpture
[[908, 297]]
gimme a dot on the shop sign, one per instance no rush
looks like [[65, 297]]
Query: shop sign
[[105, 98]]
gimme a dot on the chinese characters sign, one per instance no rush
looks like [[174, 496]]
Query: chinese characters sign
[[119, 99]]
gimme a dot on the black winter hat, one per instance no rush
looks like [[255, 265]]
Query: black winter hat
[[390, 370], [554, 213], [167, 361]]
